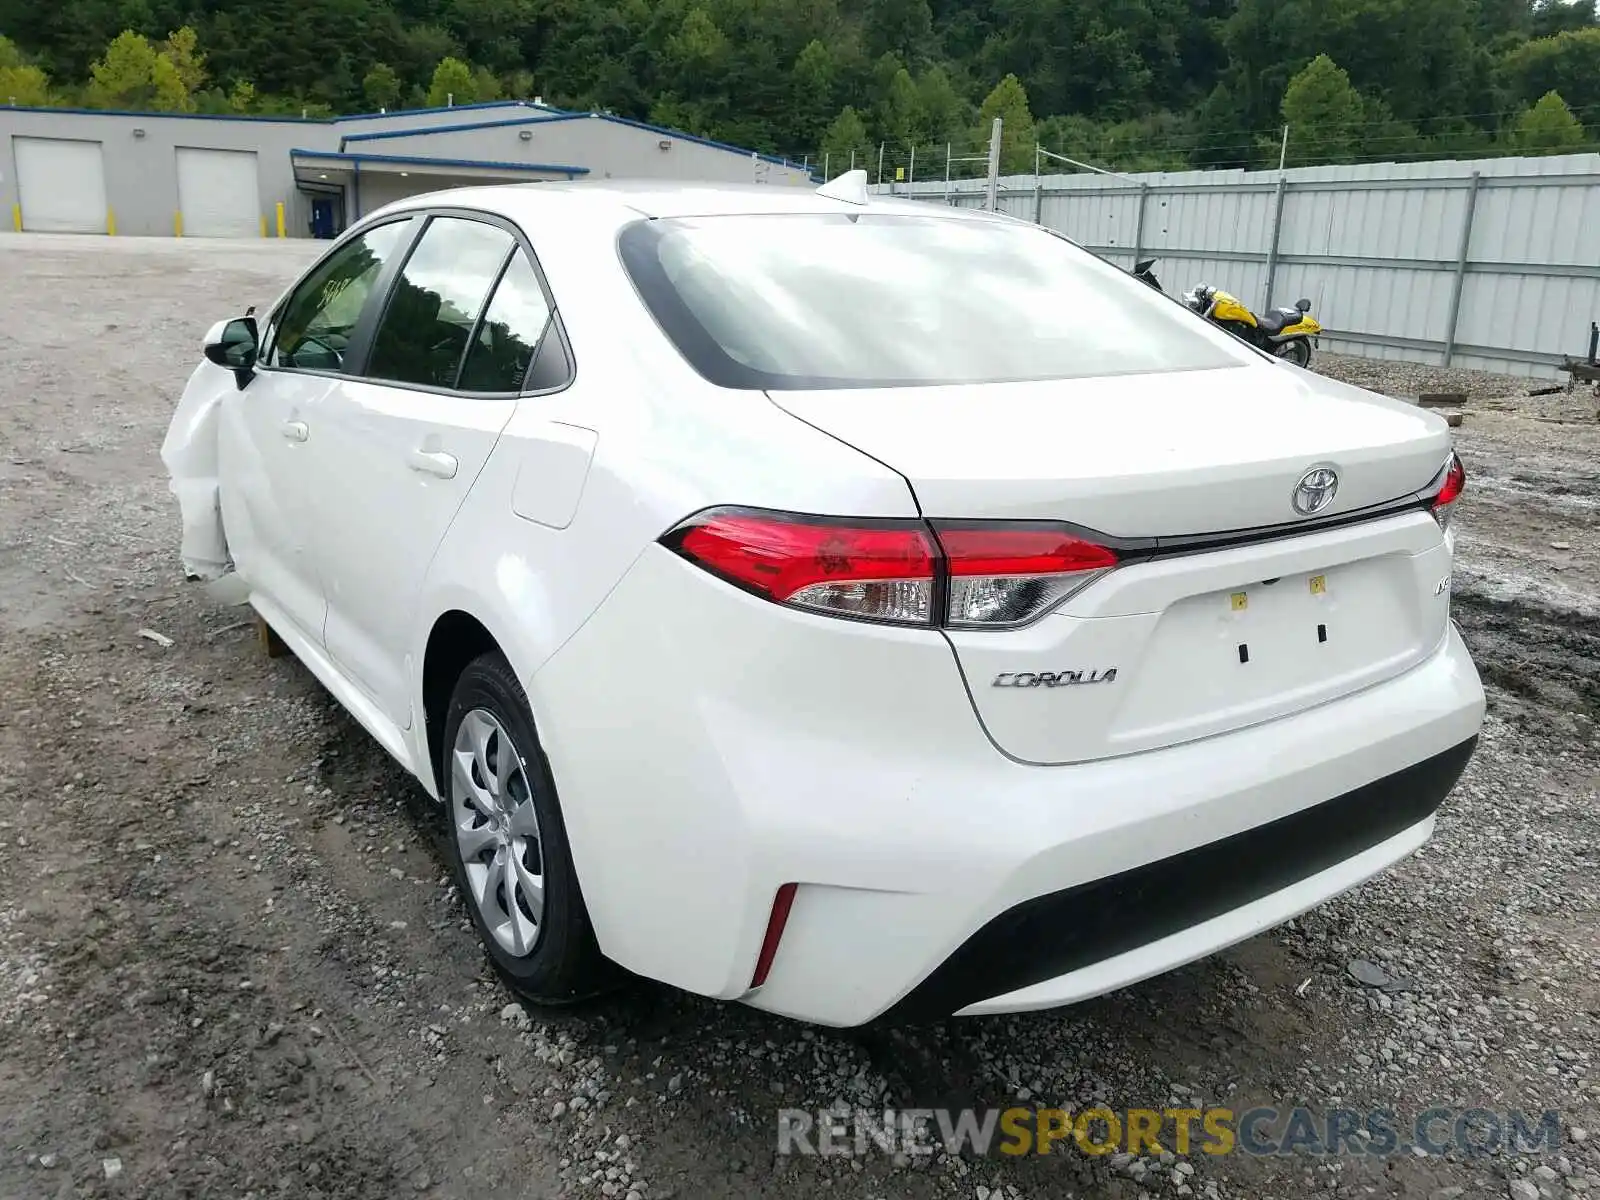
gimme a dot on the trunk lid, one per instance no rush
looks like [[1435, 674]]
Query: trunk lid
[[1137, 455], [1176, 647]]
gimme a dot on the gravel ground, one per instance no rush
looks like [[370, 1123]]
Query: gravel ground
[[231, 963]]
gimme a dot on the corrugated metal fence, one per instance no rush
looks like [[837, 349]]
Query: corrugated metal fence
[[1492, 264]]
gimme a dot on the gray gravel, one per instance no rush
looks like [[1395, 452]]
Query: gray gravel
[[232, 963]]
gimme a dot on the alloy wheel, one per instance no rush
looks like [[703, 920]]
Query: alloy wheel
[[497, 832]]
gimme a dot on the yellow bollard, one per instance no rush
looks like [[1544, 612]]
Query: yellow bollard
[[16, 216], [111, 223], [263, 224], [177, 224], [280, 218]]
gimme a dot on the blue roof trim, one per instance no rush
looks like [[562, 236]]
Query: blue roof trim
[[414, 161], [400, 133], [286, 120]]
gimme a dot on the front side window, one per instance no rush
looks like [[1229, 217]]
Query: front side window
[[513, 326], [425, 331], [789, 301], [316, 324]]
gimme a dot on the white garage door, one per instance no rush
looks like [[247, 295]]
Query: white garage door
[[63, 185], [218, 193]]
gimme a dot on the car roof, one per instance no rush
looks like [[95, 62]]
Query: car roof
[[622, 201]]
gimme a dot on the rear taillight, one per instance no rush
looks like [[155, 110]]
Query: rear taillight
[[1001, 577], [1455, 482], [874, 571], [962, 575]]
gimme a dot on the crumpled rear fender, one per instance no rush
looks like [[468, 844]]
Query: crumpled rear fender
[[190, 453]]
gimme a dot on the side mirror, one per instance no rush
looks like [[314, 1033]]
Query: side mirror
[[1303, 305], [234, 345]]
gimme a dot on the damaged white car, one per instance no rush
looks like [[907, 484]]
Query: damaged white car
[[846, 606]]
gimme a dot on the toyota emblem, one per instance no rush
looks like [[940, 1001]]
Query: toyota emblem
[[1315, 491]]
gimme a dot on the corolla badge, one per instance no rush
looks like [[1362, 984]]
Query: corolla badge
[[1315, 491]]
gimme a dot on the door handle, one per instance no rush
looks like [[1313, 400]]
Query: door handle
[[434, 462], [295, 431]]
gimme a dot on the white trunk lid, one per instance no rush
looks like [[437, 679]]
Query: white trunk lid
[[1202, 642]]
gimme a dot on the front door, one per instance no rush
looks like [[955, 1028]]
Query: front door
[[447, 362], [272, 445]]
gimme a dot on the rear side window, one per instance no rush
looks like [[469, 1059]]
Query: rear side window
[[513, 326], [820, 301], [434, 307]]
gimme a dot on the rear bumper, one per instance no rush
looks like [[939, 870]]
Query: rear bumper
[[710, 748], [1081, 940]]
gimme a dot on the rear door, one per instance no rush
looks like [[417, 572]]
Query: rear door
[[405, 442]]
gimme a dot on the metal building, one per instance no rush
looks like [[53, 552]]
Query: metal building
[[190, 175]]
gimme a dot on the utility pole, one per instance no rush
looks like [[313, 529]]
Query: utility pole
[[992, 193], [880, 164], [1283, 150]]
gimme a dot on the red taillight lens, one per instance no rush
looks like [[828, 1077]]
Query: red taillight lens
[[1455, 482], [991, 576], [879, 571], [1004, 577]]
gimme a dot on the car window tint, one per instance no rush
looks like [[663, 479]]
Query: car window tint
[[509, 336], [873, 301], [314, 329], [436, 301]]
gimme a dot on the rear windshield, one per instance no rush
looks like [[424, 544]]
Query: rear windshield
[[820, 301]]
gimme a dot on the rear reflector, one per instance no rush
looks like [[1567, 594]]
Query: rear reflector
[[781, 904], [1455, 482], [990, 576]]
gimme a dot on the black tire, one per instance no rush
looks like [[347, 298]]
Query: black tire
[[1297, 351], [564, 965]]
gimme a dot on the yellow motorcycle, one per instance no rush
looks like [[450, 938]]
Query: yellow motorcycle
[[1286, 333]]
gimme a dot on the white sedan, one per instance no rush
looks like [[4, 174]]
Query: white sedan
[[851, 607]]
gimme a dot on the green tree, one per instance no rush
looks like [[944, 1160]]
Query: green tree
[[486, 86], [1568, 63], [899, 114], [846, 134], [903, 28], [1324, 114], [381, 86], [242, 98], [1009, 102], [20, 81], [182, 50], [941, 109], [133, 74], [1548, 125], [452, 83], [812, 81]]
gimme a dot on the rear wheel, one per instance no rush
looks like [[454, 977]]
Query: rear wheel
[[508, 843], [1297, 351]]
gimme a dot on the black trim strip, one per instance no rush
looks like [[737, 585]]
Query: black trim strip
[[1053, 935]]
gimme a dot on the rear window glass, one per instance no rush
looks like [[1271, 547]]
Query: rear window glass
[[820, 301]]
